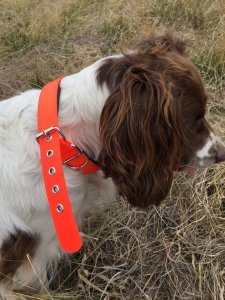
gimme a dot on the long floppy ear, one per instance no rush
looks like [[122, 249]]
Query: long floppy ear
[[139, 137]]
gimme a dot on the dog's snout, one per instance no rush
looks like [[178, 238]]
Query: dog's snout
[[220, 152], [212, 152]]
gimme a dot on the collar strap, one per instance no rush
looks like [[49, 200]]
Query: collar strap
[[55, 151]]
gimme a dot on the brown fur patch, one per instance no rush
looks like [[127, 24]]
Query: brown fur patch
[[13, 252], [153, 119]]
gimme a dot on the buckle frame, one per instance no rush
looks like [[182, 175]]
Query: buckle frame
[[47, 132]]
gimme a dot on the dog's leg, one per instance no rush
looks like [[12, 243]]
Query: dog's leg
[[14, 253], [99, 194], [25, 261]]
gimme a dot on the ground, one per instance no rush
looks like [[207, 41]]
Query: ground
[[175, 251]]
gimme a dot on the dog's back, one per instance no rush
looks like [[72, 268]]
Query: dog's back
[[25, 222]]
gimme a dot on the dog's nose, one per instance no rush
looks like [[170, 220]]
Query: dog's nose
[[220, 152]]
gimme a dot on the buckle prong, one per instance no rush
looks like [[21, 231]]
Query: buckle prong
[[47, 131]]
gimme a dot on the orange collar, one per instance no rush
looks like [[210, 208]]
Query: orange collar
[[55, 151]]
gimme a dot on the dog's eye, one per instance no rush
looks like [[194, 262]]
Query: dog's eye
[[198, 125], [199, 120], [200, 115]]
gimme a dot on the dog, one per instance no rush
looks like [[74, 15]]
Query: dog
[[140, 114]]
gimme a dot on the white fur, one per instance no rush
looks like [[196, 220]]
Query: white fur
[[23, 203], [204, 152], [22, 196], [203, 155]]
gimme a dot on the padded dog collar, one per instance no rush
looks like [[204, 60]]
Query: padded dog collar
[[55, 151]]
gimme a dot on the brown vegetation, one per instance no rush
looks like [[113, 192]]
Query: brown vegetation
[[175, 251]]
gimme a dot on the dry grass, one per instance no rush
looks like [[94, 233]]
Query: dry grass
[[176, 251]]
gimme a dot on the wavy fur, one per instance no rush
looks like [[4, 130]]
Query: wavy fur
[[139, 113]]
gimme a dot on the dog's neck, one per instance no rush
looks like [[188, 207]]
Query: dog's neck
[[81, 103]]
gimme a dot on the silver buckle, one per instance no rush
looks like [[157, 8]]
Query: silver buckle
[[75, 156], [47, 132]]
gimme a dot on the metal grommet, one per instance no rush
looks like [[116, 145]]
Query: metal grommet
[[59, 208], [48, 138], [51, 171], [49, 153], [55, 189]]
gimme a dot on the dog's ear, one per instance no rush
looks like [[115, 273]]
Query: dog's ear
[[139, 137]]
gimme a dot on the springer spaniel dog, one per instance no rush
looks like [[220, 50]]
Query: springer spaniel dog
[[140, 114]]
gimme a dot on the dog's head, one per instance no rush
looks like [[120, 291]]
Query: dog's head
[[154, 122]]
